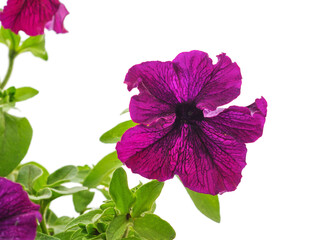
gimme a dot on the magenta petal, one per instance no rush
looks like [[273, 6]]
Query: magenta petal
[[56, 22], [206, 160], [212, 162], [31, 16], [193, 69], [245, 124], [146, 150], [222, 87], [18, 214], [19, 227], [144, 108], [259, 107], [155, 82]]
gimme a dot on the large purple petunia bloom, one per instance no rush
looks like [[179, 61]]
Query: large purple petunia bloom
[[181, 129], [32, 16], [17, 213]]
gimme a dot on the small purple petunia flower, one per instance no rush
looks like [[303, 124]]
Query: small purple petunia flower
[[181, 131], [17, 213], [32, 16]]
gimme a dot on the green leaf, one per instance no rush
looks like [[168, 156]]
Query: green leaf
[[102, 169], [9, 38], [64, 174], [83, 172], [91, 229], [61, 190], [120, 192], [82, 199], [35, 45], [60, 224], [15, 138], [207, 204], [27, 176], [124, 111], [64, 235], [114, 135], [117, 228], [146, 196], [41, 195], [41, 181], [152, 227], [78, 235], [42, 236], [50, 217], [107, 215], [24, 93], [86, 218]]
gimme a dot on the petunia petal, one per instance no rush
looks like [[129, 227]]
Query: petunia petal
[[245, 124], [155, 82], [206, 160], [29, 16], [19, 227], [16, 209], [146, 150], [212, 161], [56, 22], [144, 108], [193, 69], [222, 87]]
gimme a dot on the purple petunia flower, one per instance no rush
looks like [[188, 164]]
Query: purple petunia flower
[[32, 16], [17, 213], [181, 131]]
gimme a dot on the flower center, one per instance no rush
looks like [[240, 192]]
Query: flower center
[[187, 112]]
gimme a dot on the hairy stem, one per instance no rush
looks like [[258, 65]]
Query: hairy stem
[[125, 234], [44, 206], [12, 55]]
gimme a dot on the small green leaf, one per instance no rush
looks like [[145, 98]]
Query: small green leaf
[[9, 38], [41, 181], [117, 228], [42, 236], [61, 190], [124, 111], [146, 196], [15, 138], [24, 93], [207, 204], [78, 235], [82, 199], [50, 217], [86, 218], [35, 45], [60, 224], [91, 229], [101, 227], [114, 135], [62, 175], [27, 176], [120, 192], [102, 169], [108, 215], [64, 235], [83, 172], [41, 195], [152, 227]]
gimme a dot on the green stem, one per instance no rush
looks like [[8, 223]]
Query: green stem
[[44, 205], [125, 234], [12, 55]]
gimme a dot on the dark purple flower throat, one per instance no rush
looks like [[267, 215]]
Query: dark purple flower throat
[[188, 113]]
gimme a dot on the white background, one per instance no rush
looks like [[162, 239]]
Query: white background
[[280, 48]]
